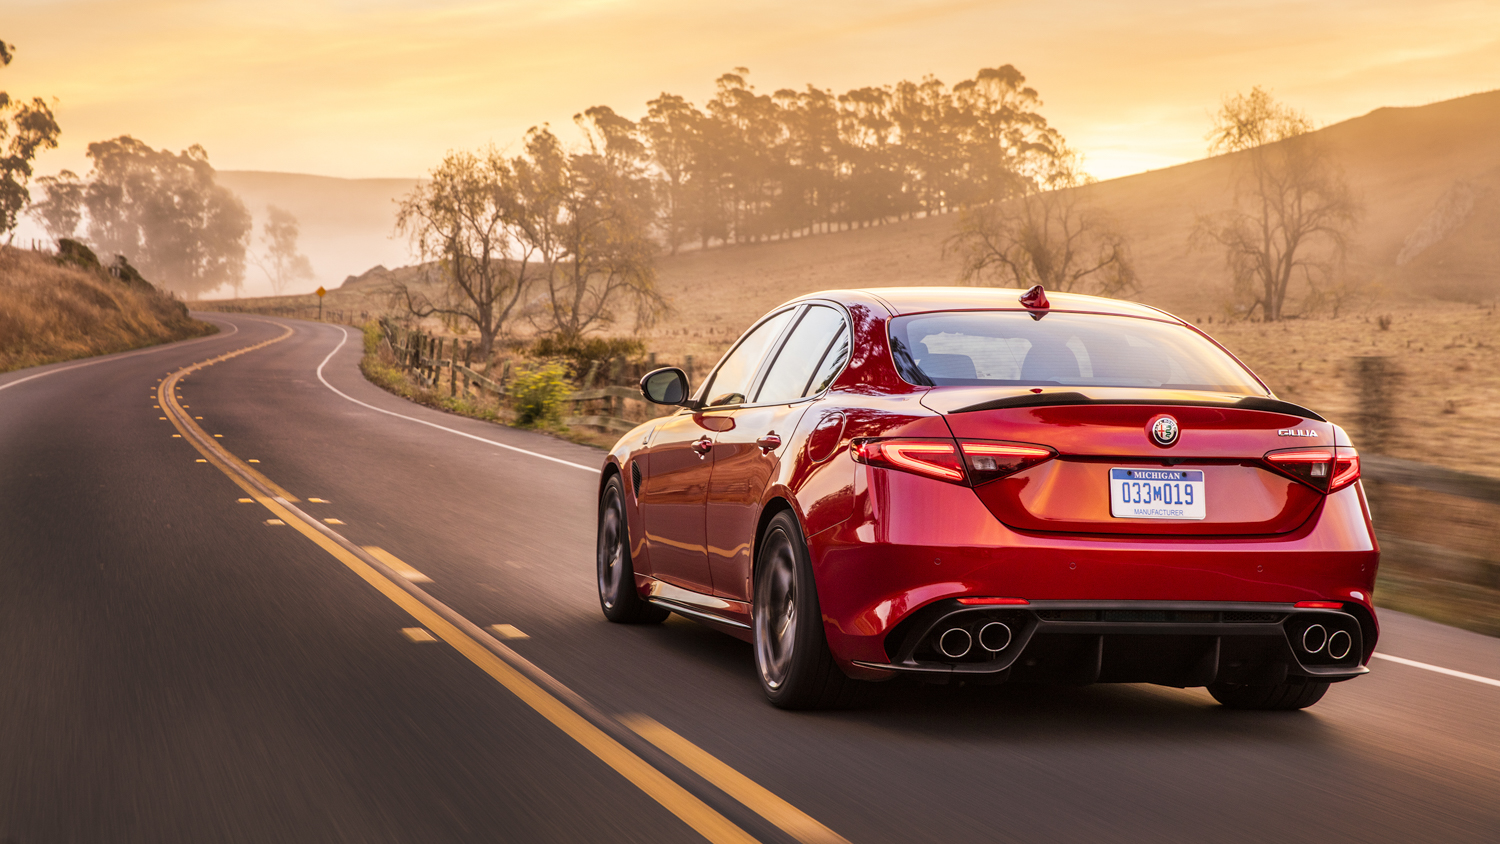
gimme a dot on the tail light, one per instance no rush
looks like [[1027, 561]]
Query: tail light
[[987, 461], [970, 462], [1327, 469]]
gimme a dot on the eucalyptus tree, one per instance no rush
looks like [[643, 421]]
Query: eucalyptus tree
[[166, 214], [26, 128]]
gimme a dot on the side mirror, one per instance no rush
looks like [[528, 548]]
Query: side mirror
[[668, 385]]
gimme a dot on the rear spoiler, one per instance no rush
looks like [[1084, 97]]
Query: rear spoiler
[[1055, 399]]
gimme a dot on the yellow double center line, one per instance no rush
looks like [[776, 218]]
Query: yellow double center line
[[506, 666]]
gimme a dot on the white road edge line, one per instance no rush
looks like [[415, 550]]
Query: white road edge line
[[433, 424], [1439, 669], [121, 356]]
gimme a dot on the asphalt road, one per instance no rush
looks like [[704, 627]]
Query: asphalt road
[[174, 668]]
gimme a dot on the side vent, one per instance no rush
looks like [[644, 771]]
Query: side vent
[[635, 477]]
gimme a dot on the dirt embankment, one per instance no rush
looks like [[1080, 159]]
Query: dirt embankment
[[51, 312]]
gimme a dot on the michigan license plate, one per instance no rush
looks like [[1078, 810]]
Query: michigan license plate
[[1157, 494]]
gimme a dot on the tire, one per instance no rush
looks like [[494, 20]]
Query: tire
[[792, 660], [618, 597], [1282, 696]]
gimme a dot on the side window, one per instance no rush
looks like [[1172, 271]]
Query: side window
[[799, 360], [732, 380], [834, 358]]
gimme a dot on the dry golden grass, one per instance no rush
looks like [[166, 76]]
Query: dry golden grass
[[51, 313]]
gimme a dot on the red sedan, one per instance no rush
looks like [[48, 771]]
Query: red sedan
[[988, 486]]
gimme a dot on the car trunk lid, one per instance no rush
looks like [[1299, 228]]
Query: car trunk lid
[[1095, 431]]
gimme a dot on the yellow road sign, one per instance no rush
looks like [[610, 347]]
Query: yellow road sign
[[322, 292]]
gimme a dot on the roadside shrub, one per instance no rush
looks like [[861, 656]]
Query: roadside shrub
[[539, 394], [583, 353]]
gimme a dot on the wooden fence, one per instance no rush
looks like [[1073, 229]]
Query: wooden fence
[[447, 365]]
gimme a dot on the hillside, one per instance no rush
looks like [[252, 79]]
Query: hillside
[[1401, 161], [50, 312]]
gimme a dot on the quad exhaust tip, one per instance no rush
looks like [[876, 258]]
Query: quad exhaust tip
[[995, 636], [1314, 638], [955, 642]]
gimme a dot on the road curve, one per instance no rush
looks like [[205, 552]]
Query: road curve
[[174, 668]]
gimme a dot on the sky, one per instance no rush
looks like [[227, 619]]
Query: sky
[[381, 88]]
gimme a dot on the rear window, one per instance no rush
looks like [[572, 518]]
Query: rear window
[[1010, 348]]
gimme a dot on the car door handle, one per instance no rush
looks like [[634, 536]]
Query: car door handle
[[769, 443], [703, 445]]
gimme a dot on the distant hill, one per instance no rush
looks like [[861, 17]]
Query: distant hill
[[1429, 177], [347, 224]]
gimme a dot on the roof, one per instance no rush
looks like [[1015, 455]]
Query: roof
[[911, 300]]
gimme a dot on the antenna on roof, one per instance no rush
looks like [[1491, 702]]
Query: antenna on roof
[[1035, 299]]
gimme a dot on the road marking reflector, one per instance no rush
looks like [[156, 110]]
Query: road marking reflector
[[218, 436], [200, 460], [1440, 670], [275, 522], [332, 522], [256, 461], [417, 634], [247, 500], [319, 501], [508, 631], [793, 821], [197, 417], [176, 436], [396, 564], [163, 418]]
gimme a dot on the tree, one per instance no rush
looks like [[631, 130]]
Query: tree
[[606, 256], [281, 262], [672, 128], [165, 213], [1045, 236], [61, 211], [1293, 211], [25, 129], [463, 218]]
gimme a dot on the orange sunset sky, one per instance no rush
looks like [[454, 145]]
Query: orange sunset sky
[[361, 88]]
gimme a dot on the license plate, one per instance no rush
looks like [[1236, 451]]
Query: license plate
[[1157, 494]]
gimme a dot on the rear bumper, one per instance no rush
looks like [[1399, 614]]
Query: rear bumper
[[1169, 643], [929, 542]]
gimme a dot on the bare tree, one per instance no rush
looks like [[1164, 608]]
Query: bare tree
[[1293, 210], [462, 218], [281, 262], [1045, 236]]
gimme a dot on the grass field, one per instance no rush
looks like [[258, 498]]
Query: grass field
[[50, 313]]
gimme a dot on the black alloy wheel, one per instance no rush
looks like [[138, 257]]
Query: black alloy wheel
[[618, 597], [792, 660], [1282, 696]]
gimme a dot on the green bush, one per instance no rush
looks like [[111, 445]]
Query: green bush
[[539, 394]]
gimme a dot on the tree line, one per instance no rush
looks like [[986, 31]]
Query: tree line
[[161, 211], [566, 238], [750, 166], [168, 215]]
